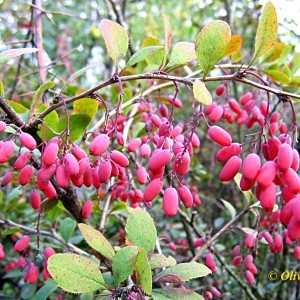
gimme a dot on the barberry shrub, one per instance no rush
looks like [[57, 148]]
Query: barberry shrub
[[138, 190]]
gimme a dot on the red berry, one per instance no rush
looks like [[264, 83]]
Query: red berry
[[78, 152], [2, 253], [104, 171], [172, 246], [49, 191], [215, 292], [159, 159], [26, 174], [219, 135], [142, 175], [250, 277], [297, 252], [246, 98], [119, 158], [267, 197], [145, 150], [165, 129], [6, 151], [35, 199], [87, 209], [153, 189], [236, 250], [234, 105], [175, 101], [248, 261], [295, 163], [267, 173], [22, 160], [49, 155], [242, 117], [273, 145], [220, 89], [99, 144], [249, 240], [2, 126], [6, 179], [22, 243], [285, 157], [245, 184], [251, 166], [237, 260], [62, 176], [291, 179], [163, 110], [216, 113], [181, 163], [210, 262], [287, 210], [228, 151], [134, 144], [170, 202], [231, 168], [156, 121], [33, 274], [20, 262], [185, 195], [199, 242], [27, 140], [71, 163], [294, 229], [278, 242], [48, 252]]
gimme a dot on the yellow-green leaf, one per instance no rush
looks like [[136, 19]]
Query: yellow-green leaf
[[295, 63], [97, 240], [157, 57], [277, 76], [201, 93], [212, 43], [1, 88], [182, 53], [234, 45], [115, 38], [74, 273], [86, 106], [175, 294], [274, 53], [159, 261], [266, 31]]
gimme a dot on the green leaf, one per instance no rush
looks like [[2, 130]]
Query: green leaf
[[67, 228], [175, 294], [182, 53], [12, 53], [45, 291], [10, 231], [212, 43], [295, 81], [160, 261], [286, 70], [234, 45], [124, 263], [78, 125], [274, 53], [97, 240], [74, 273], [155, 59], [266, 31], [141, 54], [295, 63], [201, 93], [143, 272], [28, 291], [86, 106], [20, 109], [37, 99], [186, 271], [140, 230], [115, 38], [1, 88], [286, 52], [230, 208], [277, 76], [168, 34]]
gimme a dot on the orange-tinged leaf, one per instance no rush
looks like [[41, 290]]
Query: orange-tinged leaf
[[266, 31], [274, 53], [182, 53], [211, 44], [115, 38], [234, 45], [201, 93]]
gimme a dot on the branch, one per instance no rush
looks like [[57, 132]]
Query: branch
[[185, 80], [220, 232]]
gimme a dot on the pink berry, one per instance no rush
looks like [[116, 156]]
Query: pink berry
[[249, 240], [119, 158], [159, 159], [142, 175], [153, 189], [231, 168], [27, 140], [35, 199], [220, 90], [48, 252], [49, 156], [185, 195], [134, 144], [26, 174], [251, 166], [99, 144], [219, 135], [210, 262], [87, 209], [249, 277], [22, 243], [172, 246], [104, 171], [170, 202]]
